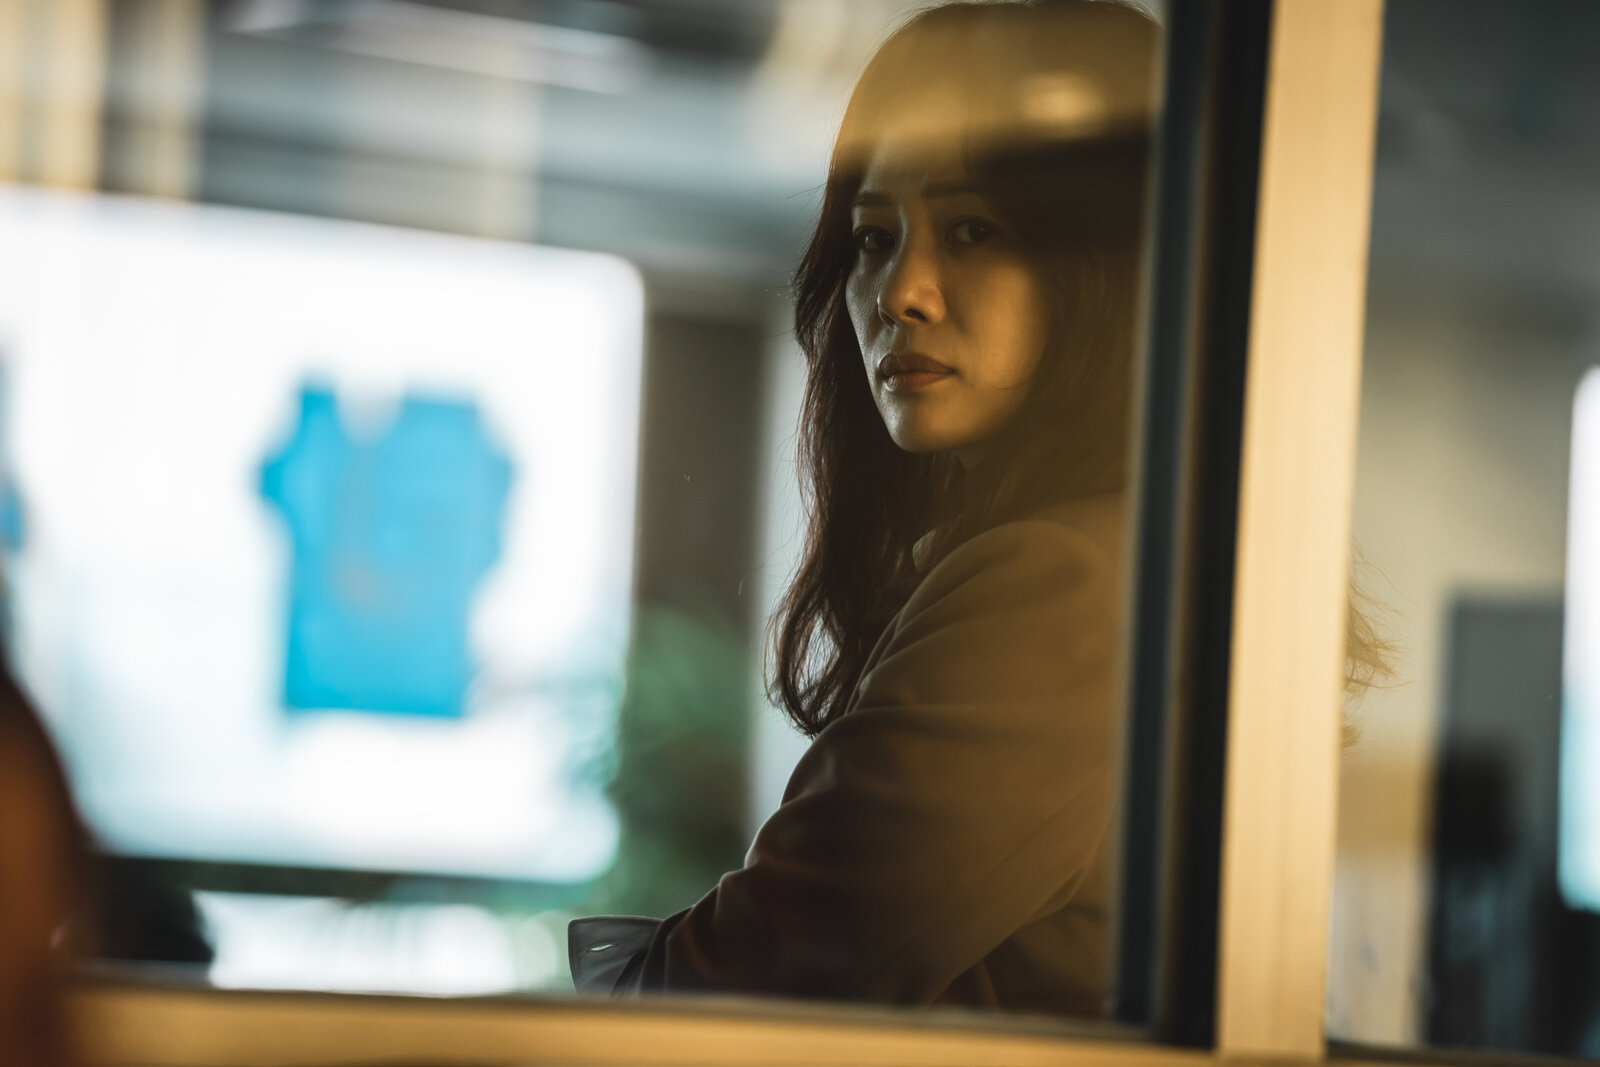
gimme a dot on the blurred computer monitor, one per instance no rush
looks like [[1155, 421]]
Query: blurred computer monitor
[[319, 535]]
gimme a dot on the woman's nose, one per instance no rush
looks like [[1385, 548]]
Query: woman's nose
[[911, 291]]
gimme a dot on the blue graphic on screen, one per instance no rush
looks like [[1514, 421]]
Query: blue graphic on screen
[[13, 520], [13, 515], [391, 537]]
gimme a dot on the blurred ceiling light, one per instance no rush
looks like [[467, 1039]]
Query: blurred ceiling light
[[491, 45]]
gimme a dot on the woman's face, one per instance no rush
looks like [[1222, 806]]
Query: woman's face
[[951, 316]]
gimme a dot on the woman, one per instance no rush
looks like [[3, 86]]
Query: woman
[[966, 310]]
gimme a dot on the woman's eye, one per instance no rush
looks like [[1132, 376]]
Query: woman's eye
[[873, 239], [971, 232]]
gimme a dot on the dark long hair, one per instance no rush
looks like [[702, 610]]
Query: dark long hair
[[1053, 126]]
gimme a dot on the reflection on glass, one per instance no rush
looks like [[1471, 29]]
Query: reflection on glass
[[1464, 902], [949, 639]]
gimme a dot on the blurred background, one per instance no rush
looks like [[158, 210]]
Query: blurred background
[[1467, 898], [396, 412]]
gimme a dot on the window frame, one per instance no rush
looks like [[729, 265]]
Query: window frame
[[1251, 956], [1297, 476]]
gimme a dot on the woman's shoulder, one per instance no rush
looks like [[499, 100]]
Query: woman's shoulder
[[1018, 614], [1063, 562], [1085, 534]]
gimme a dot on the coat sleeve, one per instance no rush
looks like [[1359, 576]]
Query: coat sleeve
[[964, 795]]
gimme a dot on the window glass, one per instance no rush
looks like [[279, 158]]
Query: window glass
[[469, 466], [1465, 911]]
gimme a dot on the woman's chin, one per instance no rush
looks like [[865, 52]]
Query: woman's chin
[[924, 430], [929, 443], [920, 441]]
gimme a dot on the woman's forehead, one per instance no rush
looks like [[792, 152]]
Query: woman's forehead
[[907, 163]]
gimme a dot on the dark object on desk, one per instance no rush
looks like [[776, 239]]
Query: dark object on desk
[[145, 916]]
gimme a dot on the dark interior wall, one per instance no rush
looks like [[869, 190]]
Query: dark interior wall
[[683, 739], [698, 492]]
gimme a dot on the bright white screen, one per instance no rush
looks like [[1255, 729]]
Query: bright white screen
[[1579, 850], [154, 359]]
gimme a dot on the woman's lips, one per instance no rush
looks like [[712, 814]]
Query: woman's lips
[[906, 372]]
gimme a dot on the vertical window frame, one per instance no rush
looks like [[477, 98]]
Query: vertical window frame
[[1297, 476]]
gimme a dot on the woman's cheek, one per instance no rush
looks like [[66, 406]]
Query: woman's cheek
[[858, 305], [1021, 311]]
